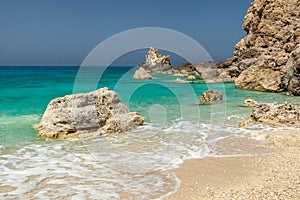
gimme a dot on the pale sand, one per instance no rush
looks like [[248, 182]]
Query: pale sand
[[271, 176]]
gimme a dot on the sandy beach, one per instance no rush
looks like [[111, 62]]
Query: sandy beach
[[275, 175]]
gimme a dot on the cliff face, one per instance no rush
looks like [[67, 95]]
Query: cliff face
[[273, 32], [290, 74]]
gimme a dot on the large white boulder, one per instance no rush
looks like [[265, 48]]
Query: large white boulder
[[87, 115]]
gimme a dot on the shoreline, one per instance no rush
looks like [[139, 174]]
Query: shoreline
[[274, 175]]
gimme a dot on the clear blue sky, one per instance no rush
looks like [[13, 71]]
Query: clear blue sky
[[63, 32]]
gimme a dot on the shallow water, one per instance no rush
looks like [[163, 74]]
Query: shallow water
[[132, 165]]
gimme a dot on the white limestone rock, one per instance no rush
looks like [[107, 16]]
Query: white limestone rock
[[142, 74], [87, 115]]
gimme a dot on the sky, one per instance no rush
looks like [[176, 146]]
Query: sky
[[63, 32]]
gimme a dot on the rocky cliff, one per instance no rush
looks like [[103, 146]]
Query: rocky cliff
[[273, 32], [290, 74]]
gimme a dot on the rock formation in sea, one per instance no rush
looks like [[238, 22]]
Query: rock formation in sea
[[201, 71], [274, 114], [142, 74], [290, 74], [87, 115], [187, 69], [210, 97], [273, 32], [194, 73], [156, 62]]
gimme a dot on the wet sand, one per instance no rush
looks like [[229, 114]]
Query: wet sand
[[273, 175]]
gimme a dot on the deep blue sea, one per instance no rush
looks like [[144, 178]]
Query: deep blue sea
[[133, 165]]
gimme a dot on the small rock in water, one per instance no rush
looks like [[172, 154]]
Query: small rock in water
[[250, 103], [210, 97], [191, 77]]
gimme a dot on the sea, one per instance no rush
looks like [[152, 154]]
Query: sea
[[132, 165]]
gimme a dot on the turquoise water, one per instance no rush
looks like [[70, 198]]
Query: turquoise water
[[175, 129]]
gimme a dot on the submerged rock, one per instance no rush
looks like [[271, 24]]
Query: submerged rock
[[179, 80], [210, 97], [87, 115], [290, 74], [141, 73], [273, 32], [274, 114], [250, 103]]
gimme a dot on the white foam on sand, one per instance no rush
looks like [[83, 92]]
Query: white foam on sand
[[131, 165]]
